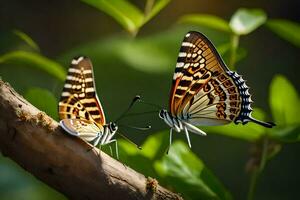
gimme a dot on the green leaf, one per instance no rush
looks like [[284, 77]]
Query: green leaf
[[126, 14], [143, 160], [155, 54], [210, 21], [288, 30], [43, 100], [145, 55], [244, 21], [158, 6], [153, 147], [23, 36], [35, 60], [185, 172], [249, 132], [284, 101]]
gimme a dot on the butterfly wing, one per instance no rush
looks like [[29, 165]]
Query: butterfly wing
[[204, 90], [79, 99], [84, 129]]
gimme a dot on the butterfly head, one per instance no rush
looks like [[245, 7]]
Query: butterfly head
[[113, 127]]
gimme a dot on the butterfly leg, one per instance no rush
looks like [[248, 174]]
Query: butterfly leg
[[111, 152], [90, 149], [95, 143], [117, 150], [116, 146], [170, 140], [187, 136]]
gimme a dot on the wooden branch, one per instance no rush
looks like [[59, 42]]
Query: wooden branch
[[67, 164]]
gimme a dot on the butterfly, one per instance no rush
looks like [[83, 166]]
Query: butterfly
[[204, 91], [80, 110]]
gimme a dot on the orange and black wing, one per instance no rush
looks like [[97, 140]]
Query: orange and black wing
[[78, 98], [204, 90]]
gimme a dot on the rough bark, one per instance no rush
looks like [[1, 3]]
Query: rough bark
[[36, 142]]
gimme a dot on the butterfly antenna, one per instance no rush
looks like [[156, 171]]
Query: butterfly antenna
[[134, 100], [128, 140], [142, 113], [150, 104], [265, 124], [138, 128]]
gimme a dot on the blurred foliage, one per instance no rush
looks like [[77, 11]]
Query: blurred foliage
[[43, 100], [188, 175], [210, 21], [152, 56], [15, 184], [180, 169], [127, 14], [244, 21], [34, 60], [26, 38], [286, 29], [284, 110]]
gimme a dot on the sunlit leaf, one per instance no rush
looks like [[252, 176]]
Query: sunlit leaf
[[23, 36], [248, 132], [185, 172], [210, 21], [145, 55], [158, 6], [35, 60], [152, 147], [284, 101], [43, 100], [125, 13], [287, 30], [155, 54], [143, 160], [245, 21]]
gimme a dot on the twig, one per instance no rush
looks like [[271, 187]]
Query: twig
[[233, 51], [257, 172], [65, 163]]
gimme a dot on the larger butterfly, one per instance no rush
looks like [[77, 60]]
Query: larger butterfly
[[204, 91], [80, 110]]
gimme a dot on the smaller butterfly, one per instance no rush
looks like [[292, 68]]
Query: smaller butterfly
[[204, 91], [80, 110]]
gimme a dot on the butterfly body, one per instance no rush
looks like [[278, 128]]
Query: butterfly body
[[179, 124], [80, 110], [204, 91]]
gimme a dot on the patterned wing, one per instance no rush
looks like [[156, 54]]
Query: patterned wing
[[84, 129], [79, 99], [204, 90]]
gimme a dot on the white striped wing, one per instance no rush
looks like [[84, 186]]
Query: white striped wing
[[78, 98], [84, 129], [204, 90]]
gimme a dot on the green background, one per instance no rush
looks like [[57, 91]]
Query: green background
[[134, 52]]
